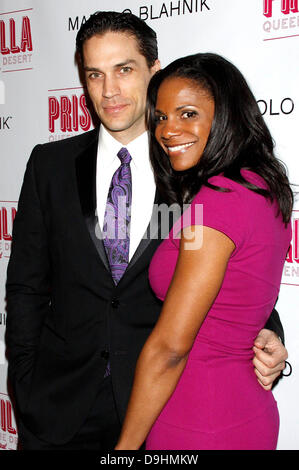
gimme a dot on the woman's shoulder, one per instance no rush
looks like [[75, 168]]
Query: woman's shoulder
[[231, 197], [218, 183], [248, 175]]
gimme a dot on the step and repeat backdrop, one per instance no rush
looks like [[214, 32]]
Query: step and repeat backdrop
[[42, 100]]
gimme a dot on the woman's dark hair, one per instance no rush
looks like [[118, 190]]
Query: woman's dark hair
[[239, 138], [102, 22]]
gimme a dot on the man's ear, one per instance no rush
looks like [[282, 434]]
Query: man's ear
[[156, 66]]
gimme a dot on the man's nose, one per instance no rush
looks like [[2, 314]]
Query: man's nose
[[110, 87]]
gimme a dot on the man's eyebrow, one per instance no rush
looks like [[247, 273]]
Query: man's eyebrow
[[121, 64], [91, 69], [126, 62]]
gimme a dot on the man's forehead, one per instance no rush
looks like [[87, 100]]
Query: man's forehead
[[113, 48], [113, 41]]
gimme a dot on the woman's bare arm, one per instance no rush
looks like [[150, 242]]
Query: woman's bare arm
[[193, 289]]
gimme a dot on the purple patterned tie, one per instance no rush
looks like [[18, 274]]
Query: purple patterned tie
[[116, 227]]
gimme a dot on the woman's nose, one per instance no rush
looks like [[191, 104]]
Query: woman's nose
[[170, 128]]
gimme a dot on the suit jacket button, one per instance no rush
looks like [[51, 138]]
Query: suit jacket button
[[115, 303], [105, 354]]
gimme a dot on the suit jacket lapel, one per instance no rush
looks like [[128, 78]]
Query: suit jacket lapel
[[86, 163], [86, 181], [150, 234]]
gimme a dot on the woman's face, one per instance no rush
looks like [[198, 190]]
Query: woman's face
[[184, 115]]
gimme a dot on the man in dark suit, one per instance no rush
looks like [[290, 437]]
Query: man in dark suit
[[80, 307]]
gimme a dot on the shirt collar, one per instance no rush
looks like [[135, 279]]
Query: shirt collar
[[139, 150], [109, 147]]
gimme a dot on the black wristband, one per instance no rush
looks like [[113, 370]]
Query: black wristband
[[290, 371]]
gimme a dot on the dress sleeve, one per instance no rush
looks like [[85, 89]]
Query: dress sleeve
[[226, 211]]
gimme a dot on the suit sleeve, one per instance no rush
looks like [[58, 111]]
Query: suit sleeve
[[275, 325], [28, 278]]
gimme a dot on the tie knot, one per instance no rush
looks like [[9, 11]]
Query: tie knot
[[124, 155]]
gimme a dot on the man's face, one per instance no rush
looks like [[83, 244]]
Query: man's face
[[117, 77]]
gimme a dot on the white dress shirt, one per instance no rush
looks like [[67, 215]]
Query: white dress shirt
[[143, 183]]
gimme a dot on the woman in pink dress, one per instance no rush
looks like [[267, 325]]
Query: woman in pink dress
[[219, 270]]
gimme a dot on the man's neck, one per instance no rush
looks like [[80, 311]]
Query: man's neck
[[126, 136]]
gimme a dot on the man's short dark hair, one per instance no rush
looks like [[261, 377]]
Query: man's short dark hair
[[102, 22]]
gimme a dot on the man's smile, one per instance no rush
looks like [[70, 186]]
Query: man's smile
[[114, 109]]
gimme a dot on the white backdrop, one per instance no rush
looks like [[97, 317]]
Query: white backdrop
[[41, 100]]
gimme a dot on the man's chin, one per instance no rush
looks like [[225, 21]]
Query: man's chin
[[130, 129], [115, 125]]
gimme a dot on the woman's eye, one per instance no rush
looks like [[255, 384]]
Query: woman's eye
[[189, 114], [159, 118]]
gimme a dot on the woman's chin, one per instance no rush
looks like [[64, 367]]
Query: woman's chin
[[180, 167]]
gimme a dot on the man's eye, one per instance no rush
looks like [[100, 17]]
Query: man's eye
[[125, 69], [94, 75]]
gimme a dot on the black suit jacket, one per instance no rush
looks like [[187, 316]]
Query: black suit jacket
[[63, 309]]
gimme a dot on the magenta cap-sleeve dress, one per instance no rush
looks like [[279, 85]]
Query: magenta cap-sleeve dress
[[218, 402]]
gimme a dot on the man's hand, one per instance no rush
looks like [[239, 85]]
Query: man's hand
[[269, 359]]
